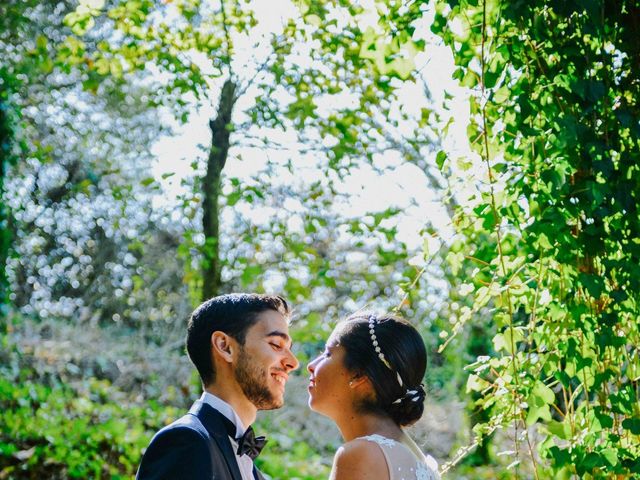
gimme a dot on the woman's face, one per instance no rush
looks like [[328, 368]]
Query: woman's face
[[329, 389]]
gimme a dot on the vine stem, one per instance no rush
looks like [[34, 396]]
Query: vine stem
[[406, 293], [463, 451], [517, 411], [415, 280]]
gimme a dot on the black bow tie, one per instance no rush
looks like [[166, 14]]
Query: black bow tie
[[249, 444]]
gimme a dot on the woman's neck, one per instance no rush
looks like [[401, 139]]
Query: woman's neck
[[354, 425]]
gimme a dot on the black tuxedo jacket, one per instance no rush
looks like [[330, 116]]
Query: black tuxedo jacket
[[195, 447]]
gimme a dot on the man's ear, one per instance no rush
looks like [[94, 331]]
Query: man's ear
[[223, 346]]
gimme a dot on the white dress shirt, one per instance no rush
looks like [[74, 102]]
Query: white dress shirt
[[245, 464]]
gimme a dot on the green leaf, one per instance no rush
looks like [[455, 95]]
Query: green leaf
[[147, 181], [314, 20], [503, 341], [632, 424], [490, 79], [544, 393], [611, 455], [476, 384], [538, 412], [542, 242], [593, 283], [401, 67], [561, 430], [41, 42], [440, 159], [560, 456]]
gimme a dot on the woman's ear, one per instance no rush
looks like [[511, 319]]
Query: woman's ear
[[222, 346], [359, 380]]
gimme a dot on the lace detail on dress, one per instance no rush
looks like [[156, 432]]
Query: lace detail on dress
[[402, 463], [425, 473], [380, 440]]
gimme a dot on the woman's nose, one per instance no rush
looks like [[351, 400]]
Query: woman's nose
[[312, 365]]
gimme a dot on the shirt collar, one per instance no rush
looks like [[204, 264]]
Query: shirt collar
[[225, 409]]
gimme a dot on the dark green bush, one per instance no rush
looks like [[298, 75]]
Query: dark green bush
[[52, 430]]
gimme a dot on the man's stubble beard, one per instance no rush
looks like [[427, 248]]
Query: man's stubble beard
[[253, 380]]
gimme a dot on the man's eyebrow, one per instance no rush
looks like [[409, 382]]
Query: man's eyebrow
[[278, 333]]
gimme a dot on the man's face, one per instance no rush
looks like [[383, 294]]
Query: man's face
[[265, 360]]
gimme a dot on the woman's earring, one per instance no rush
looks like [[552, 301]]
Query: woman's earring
[[351, 383]]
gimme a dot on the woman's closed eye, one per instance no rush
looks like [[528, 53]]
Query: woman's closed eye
[[276, 346]]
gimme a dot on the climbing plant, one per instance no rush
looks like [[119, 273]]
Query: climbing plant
[[555, 134]]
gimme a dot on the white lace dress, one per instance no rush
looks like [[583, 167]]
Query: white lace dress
[[402, 461]]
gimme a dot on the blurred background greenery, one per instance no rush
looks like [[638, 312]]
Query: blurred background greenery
[[158, 152]]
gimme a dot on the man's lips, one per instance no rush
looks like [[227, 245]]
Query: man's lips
[[280, 377]]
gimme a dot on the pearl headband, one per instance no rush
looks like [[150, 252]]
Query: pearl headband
[[416, 394], [374, 340]]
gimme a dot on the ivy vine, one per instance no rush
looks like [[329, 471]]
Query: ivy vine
[[555, 122]]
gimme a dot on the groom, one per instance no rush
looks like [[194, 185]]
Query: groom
[[240, 345]]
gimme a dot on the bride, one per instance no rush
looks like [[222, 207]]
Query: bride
[[368, 381]]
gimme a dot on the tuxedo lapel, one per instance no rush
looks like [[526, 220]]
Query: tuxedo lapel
[[257, 475], [214, 422]]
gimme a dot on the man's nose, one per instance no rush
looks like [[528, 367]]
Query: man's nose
[[291, 361]]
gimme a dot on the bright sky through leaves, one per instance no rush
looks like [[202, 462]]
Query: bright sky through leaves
[[402, 184]]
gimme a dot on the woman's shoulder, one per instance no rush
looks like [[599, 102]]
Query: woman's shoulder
[[362, 448], [405, 459], [360, 458]]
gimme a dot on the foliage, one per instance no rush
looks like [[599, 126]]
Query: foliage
[[285, 458], [6, 157], [55, 431], [12, 18], [90, 245], [545, 261], [57, 421], [80, 193], [52, 428], [548, 243], [341, 103]]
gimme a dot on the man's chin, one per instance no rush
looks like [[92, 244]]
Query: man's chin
[[272, 405], [277, 401], [273, 402]]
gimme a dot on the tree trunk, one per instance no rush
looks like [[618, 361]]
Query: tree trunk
[[220, 132]]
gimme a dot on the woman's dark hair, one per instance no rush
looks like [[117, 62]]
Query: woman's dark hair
[[232, 314], [404, 350]]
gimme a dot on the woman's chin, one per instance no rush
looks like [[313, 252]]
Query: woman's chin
[[313, 405], [315, 408]]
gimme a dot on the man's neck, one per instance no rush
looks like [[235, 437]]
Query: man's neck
[[243, 407]]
